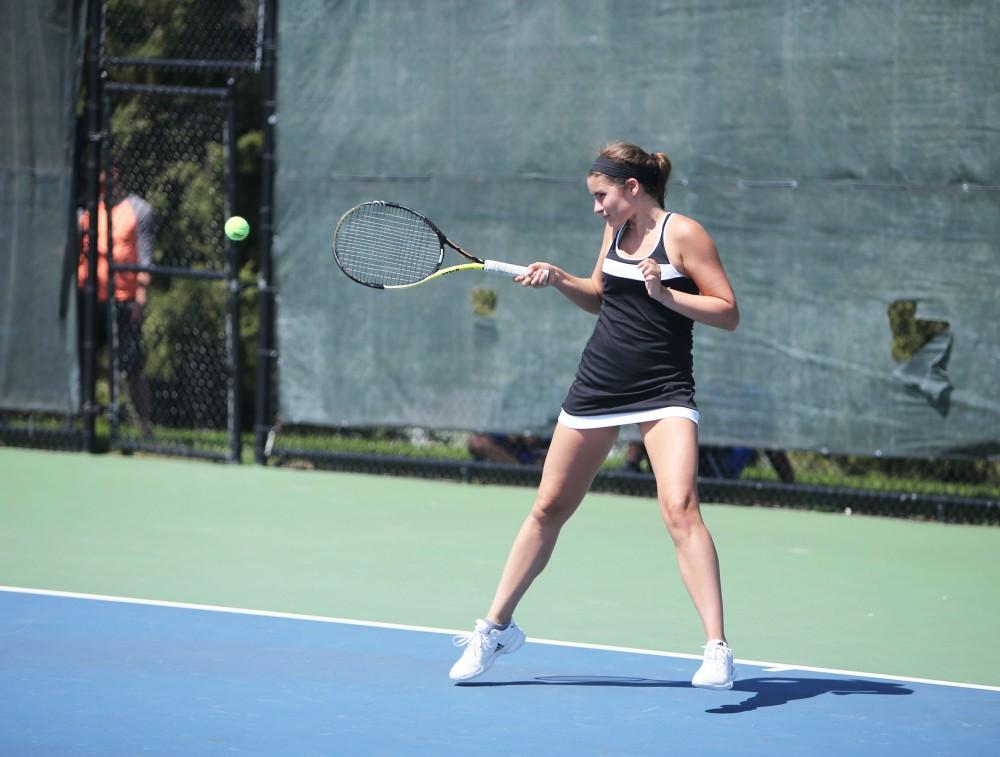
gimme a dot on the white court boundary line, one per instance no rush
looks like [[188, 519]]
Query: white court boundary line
[[770, 667]]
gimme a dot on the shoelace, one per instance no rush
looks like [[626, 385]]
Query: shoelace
[[482, 640], [716, 654]]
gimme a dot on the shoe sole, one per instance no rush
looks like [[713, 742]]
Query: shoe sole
[[509, 649], [713, 687], [716, 686]]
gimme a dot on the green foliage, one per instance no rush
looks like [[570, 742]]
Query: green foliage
[[184, 329], [161, 28], [952, 477], [908, 333], [484, 301]]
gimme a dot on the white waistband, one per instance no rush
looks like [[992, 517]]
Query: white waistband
[[623, 419]]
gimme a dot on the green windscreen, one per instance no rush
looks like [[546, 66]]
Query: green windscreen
[[39, 61], [843, 157]]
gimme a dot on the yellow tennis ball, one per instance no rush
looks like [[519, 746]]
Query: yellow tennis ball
[[237, 228]]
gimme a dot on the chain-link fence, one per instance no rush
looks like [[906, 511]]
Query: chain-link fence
[[949, 490], [160, 368], [174, 373], [213, 34], [170, 382]]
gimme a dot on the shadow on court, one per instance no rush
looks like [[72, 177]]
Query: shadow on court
[[767, 692], [774, 692]]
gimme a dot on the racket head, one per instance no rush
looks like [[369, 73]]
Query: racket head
[[383, 244]]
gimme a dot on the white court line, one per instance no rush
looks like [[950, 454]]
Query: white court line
[[770, 667]]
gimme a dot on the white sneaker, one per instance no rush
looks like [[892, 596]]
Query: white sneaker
[[482, 647], [716, 671]]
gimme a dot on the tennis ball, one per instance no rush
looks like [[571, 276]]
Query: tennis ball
[[237, 228]]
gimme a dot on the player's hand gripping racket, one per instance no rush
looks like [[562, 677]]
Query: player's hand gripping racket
[[388, 246]]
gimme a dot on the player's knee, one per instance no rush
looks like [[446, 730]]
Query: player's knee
[[550, 511], [680, 512]]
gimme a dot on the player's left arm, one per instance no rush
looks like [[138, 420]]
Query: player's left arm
[[696, 257]]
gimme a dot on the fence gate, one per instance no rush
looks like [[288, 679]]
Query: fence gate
[[162, 137], [174, 368]]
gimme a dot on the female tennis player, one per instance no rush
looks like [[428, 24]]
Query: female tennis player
[[657, 273]]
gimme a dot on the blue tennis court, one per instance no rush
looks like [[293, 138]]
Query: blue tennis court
[[92, 675]]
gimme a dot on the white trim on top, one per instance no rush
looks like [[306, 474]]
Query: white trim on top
[[631, 271]]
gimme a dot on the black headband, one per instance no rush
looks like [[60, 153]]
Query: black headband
[[644, 175]]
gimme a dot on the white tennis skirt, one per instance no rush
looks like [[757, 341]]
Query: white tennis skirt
[[624, 419]]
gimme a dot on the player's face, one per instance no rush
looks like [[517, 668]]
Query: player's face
[[612, 201]]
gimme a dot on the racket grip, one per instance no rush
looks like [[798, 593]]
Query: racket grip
[[506, 269]]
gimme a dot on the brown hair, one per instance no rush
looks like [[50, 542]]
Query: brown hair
[[650, 165]]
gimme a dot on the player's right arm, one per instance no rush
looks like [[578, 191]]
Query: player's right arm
[[586, 292]]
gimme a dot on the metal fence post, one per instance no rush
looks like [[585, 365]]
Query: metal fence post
[[88, 373], [265, 342]]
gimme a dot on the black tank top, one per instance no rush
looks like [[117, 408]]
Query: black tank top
[[640, 354]]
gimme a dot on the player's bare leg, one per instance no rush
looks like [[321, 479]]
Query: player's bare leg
[[573, 459], [672, 445]]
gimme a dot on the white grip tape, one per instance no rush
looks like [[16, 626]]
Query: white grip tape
[[506, 269], [495, 266]]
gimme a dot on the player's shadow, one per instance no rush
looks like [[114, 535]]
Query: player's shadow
[[778, 690], [772, 691]]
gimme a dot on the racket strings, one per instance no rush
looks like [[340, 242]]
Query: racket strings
[[385, 245]]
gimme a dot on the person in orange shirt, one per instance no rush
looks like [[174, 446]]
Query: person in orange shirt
[[133, 239]]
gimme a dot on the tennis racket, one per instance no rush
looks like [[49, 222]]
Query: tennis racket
[[389, 246]]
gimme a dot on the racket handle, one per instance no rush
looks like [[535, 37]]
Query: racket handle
[[506, 269]]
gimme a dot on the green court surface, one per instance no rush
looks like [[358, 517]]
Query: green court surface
[[813, 589]]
